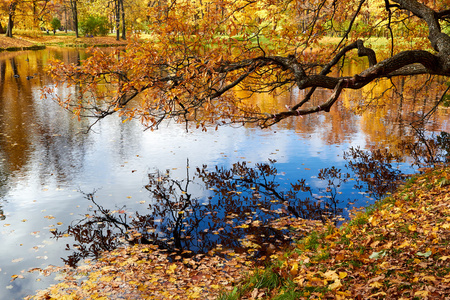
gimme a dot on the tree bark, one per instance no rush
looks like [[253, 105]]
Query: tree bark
[[73, 6], [117, 11], [123, 19], [11, 14]]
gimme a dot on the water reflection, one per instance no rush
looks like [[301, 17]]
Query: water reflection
[[375, 170], [27, 123], [233, 204], [380, 113], [425, 150], [234, 208]]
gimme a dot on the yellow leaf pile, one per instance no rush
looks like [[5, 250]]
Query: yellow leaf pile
[[145, 272]]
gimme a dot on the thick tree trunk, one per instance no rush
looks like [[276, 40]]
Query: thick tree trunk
[[73, 6], [11, 13], [10, 27]]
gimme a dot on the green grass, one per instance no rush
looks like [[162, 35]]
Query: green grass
[[266, 279]]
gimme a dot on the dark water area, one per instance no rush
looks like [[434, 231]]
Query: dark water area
[[66, 195]]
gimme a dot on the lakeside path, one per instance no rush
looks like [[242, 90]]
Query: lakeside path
[[398, 248]]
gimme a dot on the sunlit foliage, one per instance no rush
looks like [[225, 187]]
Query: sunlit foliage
[[198, 55]]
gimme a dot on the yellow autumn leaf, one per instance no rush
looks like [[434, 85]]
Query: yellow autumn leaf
[[294, 269], [377, 294], [404, 244], [412, 227], [330, 275], [107, 278], [335, 285], [171, 269], [429, 278], [342, 275], [376, 284], [421, 293]]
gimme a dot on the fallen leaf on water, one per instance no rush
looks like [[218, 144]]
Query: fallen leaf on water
[[14, 277]]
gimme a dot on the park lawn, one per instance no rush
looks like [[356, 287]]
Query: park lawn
[[396, 249]]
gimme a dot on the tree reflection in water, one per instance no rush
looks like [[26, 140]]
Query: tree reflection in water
[[100, 231], [236, 214], [239, 206], [427, 151]]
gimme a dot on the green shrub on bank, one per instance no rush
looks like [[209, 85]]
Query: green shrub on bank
[[94, 25]]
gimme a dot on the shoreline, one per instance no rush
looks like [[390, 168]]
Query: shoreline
[[21, 43]]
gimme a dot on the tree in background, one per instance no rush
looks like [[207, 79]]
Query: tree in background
[[55, 24], [119, 13], [203, 56], [74, 9], [26, 15]]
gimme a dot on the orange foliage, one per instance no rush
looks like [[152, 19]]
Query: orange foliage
[[202, 56]]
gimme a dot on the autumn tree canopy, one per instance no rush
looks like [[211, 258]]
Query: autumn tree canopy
[[201, 56]]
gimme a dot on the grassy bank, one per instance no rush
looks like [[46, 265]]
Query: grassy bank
[[396, 249]]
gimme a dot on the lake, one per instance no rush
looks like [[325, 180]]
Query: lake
[[54, 176]]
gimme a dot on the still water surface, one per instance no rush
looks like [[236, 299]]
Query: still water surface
[[47, 163]]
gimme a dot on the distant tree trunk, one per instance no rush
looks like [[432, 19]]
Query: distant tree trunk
[[1, 29], [65, 16], [117, 8], [73, 6], [123, 19]]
